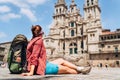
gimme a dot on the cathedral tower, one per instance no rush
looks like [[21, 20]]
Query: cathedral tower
[[91, 9], [94, 28], [60, 11]]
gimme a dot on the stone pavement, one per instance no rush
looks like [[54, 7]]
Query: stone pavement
[[95, 74]]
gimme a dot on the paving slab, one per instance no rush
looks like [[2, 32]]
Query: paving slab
[[95, 74]]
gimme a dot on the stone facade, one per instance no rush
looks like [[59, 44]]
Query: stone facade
[[109, 49], [80, 38], [75, 37], [4, 48]]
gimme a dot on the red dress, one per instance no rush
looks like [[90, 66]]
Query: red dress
[[36, 55]]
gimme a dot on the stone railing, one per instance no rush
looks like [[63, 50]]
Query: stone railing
[[99, 52]]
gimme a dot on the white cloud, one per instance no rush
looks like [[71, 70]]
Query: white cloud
[[24, 3], [4, 9], [36, 2], [18, 3], [7, 17], [29, 14], [25, 7], [2, 34]]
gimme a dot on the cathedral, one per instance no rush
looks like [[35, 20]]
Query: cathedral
[[76, 36], [73, 34]]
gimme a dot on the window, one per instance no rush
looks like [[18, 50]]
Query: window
[[90, 35], [87, 2], [102, 45], [47, 40], [75, 44], [72, 32], [63, 46], [108, 37], [2, 49], [71, 51], [81, 31], [63, 33], [71, 9], [82, 51], [108, 46], [73, 48], [72, 24], [71, 44], [56, 10], [111, 37], [118, 36], [60, 10], [115, 37], [82, 44], [116, 49], [92, 2], [102, 38]]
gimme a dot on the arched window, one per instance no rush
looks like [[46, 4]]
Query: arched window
[[72, 9], [92, 2], [63, 46], [87, 2], [56, 10], [72, 32], [71, 44], [60, 10]]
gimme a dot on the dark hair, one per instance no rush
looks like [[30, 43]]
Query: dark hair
[[36, 30]]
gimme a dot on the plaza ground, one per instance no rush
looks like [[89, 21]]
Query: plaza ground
[[95, 74]]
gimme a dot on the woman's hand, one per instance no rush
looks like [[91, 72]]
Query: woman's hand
[[31, 71], [27, 74]]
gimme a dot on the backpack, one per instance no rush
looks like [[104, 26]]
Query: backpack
[[17, 54]]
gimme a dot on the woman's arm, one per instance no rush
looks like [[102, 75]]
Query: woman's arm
[[32, 68]]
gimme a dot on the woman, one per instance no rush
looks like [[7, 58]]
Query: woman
[[37, 63]]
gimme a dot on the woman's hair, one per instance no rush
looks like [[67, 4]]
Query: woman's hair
[[36, 30]]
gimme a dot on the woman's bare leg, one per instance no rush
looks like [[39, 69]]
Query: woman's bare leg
[[66, 67], [63, 62], [66, 70]]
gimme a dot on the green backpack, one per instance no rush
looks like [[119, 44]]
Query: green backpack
[[17, 54]]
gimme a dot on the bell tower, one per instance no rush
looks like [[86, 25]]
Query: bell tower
[[92, 9], [60, 12], [92, 17]]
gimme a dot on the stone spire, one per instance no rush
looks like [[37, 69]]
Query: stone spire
[[61, 2], [73, 3]]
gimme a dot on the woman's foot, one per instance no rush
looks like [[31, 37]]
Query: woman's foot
[[84, 70]]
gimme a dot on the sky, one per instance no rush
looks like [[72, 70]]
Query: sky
[[17, 16]]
